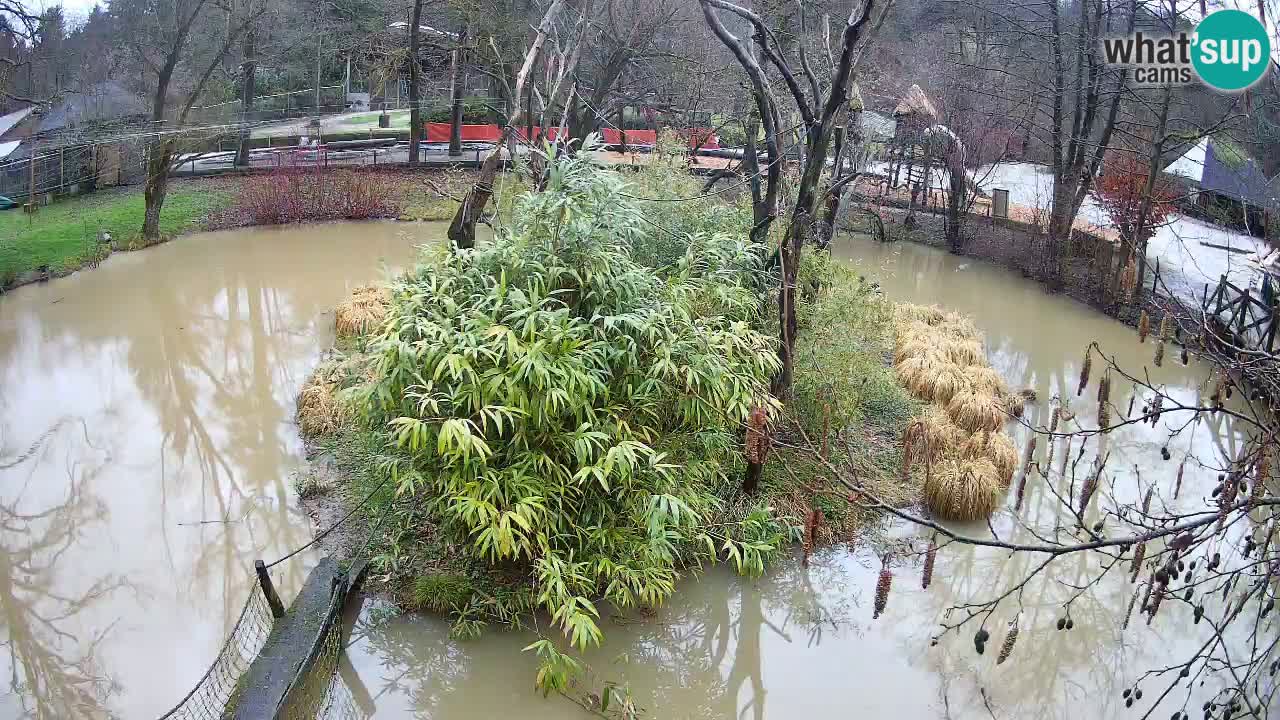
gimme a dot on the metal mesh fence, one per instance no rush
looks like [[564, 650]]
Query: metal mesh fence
[[323, 691], [320, 690], [211, 696]]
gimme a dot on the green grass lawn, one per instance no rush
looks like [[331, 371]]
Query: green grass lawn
[[399, 119], [63, 236]]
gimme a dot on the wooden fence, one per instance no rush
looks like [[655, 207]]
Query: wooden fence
[[1248, 319]]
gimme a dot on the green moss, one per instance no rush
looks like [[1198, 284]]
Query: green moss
[[442, 592], [1228, 153]]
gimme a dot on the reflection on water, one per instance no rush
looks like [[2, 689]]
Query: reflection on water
[[146, 451], [801, 643], [146, 446], [794, 644]]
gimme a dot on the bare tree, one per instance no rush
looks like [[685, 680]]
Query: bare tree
[[627, 34], [819, 105], [248, 89], [415, 83], [18, 30], [457, 78], [177, 68], [462, 230]]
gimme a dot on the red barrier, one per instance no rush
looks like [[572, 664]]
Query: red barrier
[[439, 133]]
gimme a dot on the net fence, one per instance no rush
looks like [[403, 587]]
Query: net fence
[[324, 691], [322, 688], [215, 692]]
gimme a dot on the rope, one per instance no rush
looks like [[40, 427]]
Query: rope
[[334, 526]]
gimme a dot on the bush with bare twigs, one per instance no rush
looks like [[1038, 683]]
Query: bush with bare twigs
[[290, 195]]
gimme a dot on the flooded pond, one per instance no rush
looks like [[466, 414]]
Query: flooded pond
[[146, 453], [147, 448], [802, 643]]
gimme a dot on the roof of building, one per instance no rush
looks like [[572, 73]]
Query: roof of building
[[7, 148], [915, 102], [877, 127], [1219, 166], [1191, 164], [7, 122], [105, 101], [1236, 176]]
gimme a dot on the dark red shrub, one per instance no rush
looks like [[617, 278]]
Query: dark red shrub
[[289, 195]]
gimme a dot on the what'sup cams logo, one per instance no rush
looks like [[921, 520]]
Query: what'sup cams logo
[[1229, 51]]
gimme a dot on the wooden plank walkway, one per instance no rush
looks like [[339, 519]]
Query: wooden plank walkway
[[263, 687]]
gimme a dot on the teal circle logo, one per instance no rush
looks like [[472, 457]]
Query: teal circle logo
[[1230, 50]]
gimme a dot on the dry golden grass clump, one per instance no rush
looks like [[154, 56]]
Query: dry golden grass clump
[[996, 447], [963, 490], [362, 311], [927, 314], [915, 373], [964, 353], [948, 381], [319, 410], [939, 358], [977, 410], [984, 379], [937, 437], [1016, 403]]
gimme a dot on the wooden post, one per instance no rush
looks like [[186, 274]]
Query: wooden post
[[31, 188], [62, 169], [269, 589]]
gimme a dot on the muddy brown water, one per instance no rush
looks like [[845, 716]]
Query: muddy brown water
[[147, 450], [146, 456]]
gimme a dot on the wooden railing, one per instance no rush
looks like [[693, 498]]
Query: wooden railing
[[1251, 322]]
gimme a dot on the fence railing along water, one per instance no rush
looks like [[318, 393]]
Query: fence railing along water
[[315, 688], [1249, 318]]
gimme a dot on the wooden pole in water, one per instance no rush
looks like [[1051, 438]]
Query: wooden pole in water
[[269, 589]]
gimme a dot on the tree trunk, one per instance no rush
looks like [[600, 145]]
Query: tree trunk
[[415, 86], [455, 97], [955, 204], [760, 207], [158, 159], [462, 231], [831, 203], [751, 481], [792, 245], [1061, 219], [247, 91]]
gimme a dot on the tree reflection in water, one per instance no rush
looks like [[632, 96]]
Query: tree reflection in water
[[703, 656], [52, 667]]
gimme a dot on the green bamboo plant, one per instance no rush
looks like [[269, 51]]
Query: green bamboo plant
[[574, 414]]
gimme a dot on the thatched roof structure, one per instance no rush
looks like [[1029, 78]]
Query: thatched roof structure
[[916, 106]]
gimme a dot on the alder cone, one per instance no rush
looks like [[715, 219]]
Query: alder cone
[[1084, 371], [882, 591], [1128, 613], [1006, 648], [929, 558], [1139, 551]]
